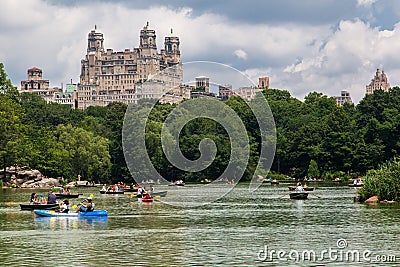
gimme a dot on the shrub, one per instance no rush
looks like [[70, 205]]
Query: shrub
[[384, 182]]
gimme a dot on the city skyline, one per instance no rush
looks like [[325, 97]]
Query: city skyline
[[302, 47]]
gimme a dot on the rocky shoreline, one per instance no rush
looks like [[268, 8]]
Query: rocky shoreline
[[24, 177]]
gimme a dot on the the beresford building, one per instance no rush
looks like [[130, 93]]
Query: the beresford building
[[118, 76]]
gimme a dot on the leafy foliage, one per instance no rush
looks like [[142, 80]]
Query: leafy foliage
[[314, 135], [384, 182], [313, 170]]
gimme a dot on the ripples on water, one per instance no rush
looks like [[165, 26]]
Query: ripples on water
[[229, 232]]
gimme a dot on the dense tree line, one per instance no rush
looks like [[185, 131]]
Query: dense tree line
[[313, 137]]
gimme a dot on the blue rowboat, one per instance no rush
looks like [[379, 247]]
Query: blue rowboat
[[52, 213]]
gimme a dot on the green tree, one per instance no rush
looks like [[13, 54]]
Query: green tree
[[313, 170], [383, 182], [84, 153], [11, 130], [5, 83]]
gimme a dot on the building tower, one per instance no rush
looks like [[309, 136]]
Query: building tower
[[379, 82], [171, 48], [95, 41], [203, 83], [94, 50], [263, 82], [34, 81], [148, 62], [148, 44]]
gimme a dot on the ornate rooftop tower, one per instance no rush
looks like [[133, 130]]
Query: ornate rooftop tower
[[379, 82], [171, 49]]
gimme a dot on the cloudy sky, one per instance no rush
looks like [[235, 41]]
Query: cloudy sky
[[304, 46]]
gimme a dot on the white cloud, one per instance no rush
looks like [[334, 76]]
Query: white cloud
[[366, 3], [298, 57], [240, 54]]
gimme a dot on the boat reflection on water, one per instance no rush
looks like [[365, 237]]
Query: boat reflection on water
[[66, 223]]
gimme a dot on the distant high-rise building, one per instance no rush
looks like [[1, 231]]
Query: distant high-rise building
[[379, 82], [343, 98], [127, 76]]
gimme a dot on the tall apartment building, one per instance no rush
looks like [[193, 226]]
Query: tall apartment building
[[379, 82], [343, 98], [129, 75]]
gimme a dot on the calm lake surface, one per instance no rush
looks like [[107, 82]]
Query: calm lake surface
[[241, 229]]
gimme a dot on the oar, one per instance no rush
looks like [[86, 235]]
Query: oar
[[284, 195], [14, 203], [314, 195]]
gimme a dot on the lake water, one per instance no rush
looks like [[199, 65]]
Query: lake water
[[241, 229]]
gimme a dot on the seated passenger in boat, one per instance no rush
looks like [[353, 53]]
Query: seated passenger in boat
[[299, 188], [64, 207], [104, 188], [43, 199], [89, 206], [34, 198], [51, 199], [140, 192], [146, 196]]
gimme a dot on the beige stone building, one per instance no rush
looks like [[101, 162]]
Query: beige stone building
[[35, 81], [225, 91], [67, 96], [129, 75], [343, 98], [203, 83], [36, 85], [379, 82], [250, 92], [247, 93]]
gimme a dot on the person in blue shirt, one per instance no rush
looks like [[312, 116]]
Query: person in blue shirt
[[89, 206]]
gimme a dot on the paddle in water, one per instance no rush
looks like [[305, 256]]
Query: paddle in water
[[284, 195], [314, 195]]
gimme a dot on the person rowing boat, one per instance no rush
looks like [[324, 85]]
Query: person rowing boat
[[299, 188], [89, 206]]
